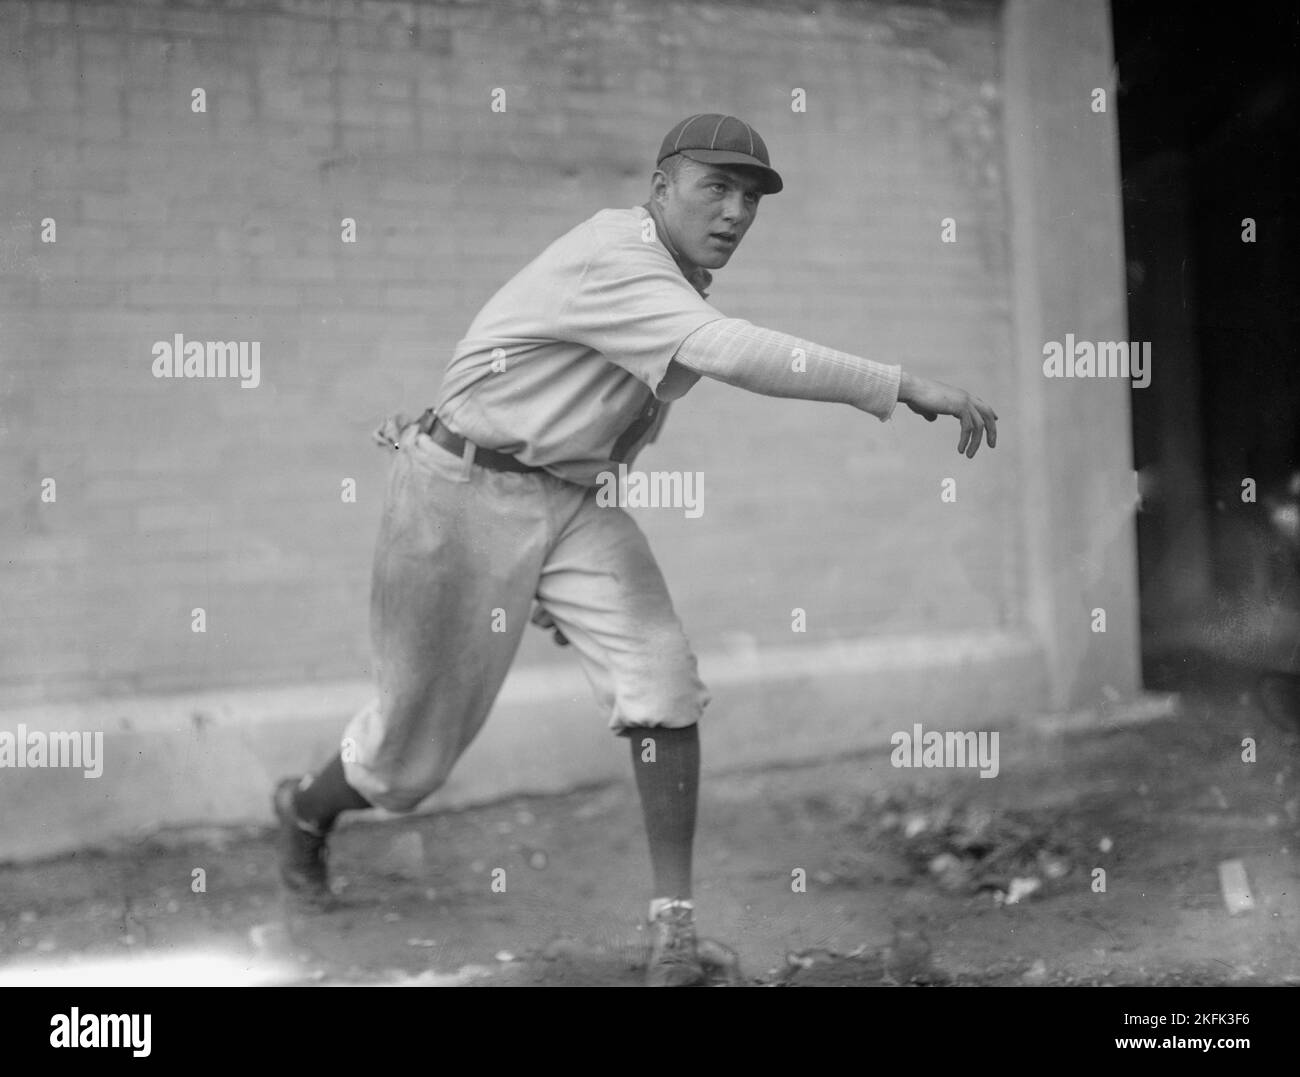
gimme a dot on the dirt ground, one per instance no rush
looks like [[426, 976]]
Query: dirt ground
[[908, 878]]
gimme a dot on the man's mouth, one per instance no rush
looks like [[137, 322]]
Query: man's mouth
[[728, 238]]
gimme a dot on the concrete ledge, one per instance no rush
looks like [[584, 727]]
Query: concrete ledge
[[210, 759]]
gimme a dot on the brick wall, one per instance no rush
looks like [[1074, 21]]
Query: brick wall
[[225, 225]]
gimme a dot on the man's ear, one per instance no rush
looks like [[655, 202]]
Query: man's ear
[[659, 186]]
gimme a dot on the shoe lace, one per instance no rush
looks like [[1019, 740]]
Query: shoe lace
[[676, 930], [315, 847], [313, 844]]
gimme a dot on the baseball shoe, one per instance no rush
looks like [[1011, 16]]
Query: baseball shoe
[[304, 852], [674, 961]]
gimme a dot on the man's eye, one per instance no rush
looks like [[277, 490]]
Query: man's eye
[[717, 187]]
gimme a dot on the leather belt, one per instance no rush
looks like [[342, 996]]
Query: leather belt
[[453, 442]]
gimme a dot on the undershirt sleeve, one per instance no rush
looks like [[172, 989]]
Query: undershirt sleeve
[[765, 361]]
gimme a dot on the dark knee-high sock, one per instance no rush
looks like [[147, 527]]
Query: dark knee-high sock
[[669, 788], [328, 795]]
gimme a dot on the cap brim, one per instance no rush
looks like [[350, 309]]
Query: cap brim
[[772, 182]]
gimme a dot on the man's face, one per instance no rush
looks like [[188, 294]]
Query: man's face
[[707, 210]]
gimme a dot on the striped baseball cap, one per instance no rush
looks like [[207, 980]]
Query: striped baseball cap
[[714, 139]]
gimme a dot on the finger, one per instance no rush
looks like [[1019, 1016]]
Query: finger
[[965, 432], [978, 423], [988, 418], [991, 426]]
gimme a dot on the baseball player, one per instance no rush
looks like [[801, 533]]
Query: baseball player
[[491, 511]]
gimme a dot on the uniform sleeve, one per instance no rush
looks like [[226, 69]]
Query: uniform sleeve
[[777, 364], [633, 305]]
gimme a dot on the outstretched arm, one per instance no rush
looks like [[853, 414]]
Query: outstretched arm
[[765, 361]]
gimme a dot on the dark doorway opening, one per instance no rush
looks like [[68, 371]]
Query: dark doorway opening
[[1208, 107]]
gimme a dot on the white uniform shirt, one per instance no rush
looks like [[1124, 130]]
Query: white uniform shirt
[[581, 340]]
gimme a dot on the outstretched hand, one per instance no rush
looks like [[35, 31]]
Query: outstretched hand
[[930, 399]]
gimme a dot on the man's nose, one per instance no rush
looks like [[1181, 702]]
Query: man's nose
[[734, 210]]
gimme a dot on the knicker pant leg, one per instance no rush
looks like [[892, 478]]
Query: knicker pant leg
[[455, 571], [604, 589]]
